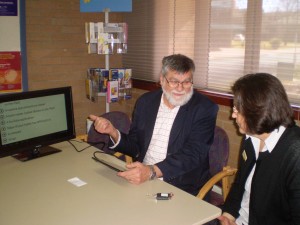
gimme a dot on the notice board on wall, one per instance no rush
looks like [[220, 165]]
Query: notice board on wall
[[13, 72], [101, 5]]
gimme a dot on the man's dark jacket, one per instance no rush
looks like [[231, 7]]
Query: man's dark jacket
[[186, 165]]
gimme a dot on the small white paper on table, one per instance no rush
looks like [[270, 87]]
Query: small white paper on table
[[77, 182]]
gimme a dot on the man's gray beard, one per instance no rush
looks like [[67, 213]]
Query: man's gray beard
[[180, 102]]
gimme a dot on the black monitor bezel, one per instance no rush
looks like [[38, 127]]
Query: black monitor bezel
[[45, 140]]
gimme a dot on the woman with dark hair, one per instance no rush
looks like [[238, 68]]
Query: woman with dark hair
[[266, 190]]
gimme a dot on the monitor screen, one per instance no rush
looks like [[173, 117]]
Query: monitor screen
[[31, 121]]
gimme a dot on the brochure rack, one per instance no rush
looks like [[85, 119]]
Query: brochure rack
[[107, 38]]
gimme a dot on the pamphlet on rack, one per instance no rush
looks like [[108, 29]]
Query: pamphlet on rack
[[106, 38], [93, 32], [113, 74], [112, 91], [127, 83], [92, 84], [92, 48], [121, 74], [103, 79], [98, 78], [124, 78], [88, 88]]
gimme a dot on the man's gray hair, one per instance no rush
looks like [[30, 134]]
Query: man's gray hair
[[179, 63]]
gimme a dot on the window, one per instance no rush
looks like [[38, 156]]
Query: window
[[226, 39]]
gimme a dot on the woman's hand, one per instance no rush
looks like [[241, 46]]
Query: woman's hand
[[226, 219]]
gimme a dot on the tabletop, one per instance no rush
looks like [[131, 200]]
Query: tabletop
[[41, 192]]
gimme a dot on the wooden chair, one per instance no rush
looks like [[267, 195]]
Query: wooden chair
[[121, 121], [221, 176], [218, 158]]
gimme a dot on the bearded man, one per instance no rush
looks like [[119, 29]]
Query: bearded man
[[171, 132]]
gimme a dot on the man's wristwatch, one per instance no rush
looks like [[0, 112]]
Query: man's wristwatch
[[153, 173]]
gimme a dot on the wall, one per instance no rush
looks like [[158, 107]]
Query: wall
[[57, 53]]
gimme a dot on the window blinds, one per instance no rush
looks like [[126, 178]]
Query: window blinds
[[226, 39]]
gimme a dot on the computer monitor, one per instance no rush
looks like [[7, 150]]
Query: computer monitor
[[31, 121]]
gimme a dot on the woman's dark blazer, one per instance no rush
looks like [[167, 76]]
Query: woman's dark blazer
[[275, 191]]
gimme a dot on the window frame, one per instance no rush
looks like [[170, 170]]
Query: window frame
[[218, 98], [251, 60]]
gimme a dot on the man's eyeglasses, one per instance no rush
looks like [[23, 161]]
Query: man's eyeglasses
[[175, 83]]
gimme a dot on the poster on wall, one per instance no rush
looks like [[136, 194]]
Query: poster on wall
[[9, 8], [10, 72], [101, 5]]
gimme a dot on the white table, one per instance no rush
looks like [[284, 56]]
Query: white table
[[37, 192]]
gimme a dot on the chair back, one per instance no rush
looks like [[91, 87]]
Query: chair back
[[219, 151], [119, 119], [218, 158]]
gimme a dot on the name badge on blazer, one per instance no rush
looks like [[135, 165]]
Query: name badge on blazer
[[244, 155]]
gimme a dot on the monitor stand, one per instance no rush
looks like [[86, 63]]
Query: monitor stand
[[36, 153]]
